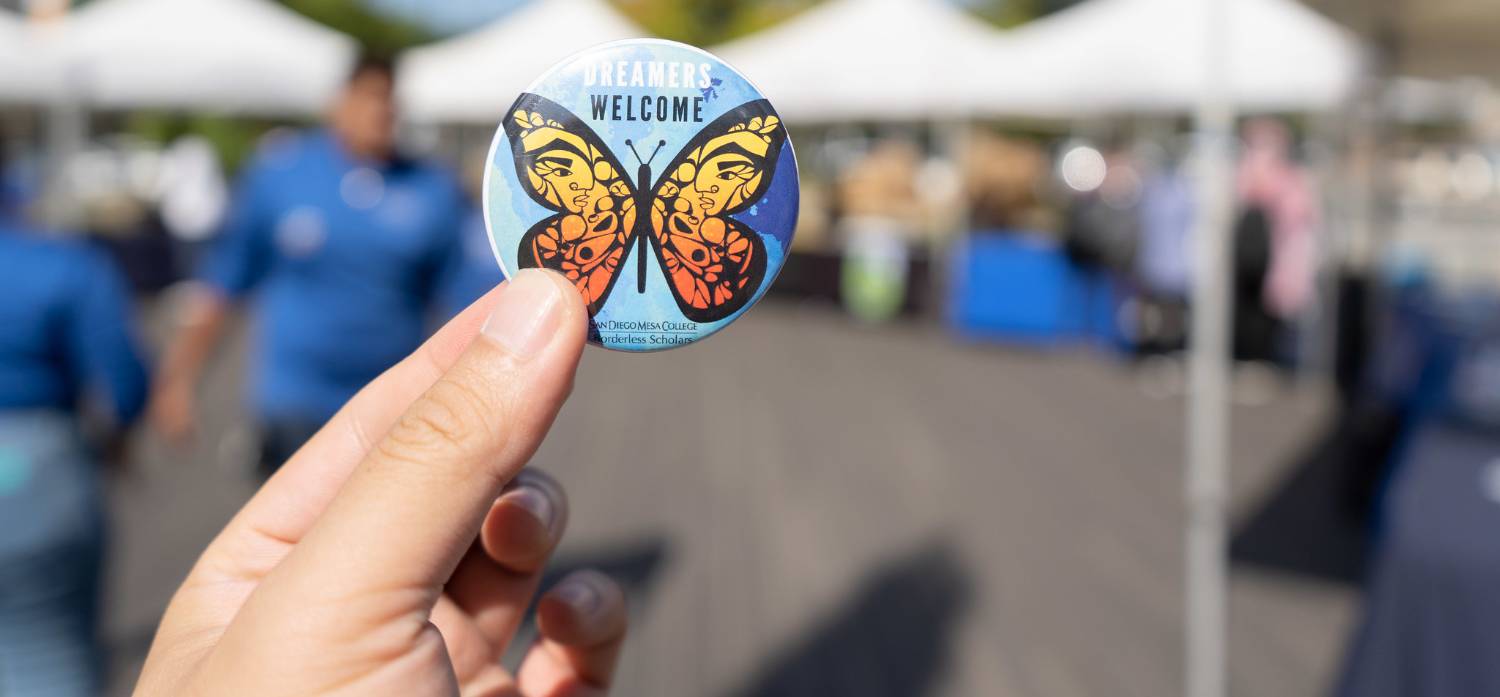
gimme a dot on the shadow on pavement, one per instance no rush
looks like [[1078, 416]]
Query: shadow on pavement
[[1316, 521], [633, 565], [892, 638]]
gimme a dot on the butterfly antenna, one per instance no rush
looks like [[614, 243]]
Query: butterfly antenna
[[631, 145], [659, 145]]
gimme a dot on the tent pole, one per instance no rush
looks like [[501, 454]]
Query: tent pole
[[66, 134], [1207, 405], [953, 134]]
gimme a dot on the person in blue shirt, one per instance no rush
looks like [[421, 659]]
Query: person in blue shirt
[[477, 272], [344, 245], [68, 355]]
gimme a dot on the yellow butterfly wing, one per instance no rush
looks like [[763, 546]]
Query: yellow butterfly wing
[[563, 166]]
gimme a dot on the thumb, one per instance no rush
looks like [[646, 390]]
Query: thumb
[[413, 506]]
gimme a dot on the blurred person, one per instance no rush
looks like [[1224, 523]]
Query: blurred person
[[1164, 265], [191, 189], [1275, 249], [404, 565], [477, 271], [1430, 620], [191, 196], [882, 215], [12, 190], [873, 274], [1270, 180], [1101, 232], [345, 243], [69, 364], [1100, 227], [1001, 180]]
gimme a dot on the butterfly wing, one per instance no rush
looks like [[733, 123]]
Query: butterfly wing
[[713, 262], [562, 164]]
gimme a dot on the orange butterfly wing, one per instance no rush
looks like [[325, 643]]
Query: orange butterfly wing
[[714, 263], [562, 165]]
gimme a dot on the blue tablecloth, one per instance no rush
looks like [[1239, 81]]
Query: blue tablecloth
[[1021, 288]]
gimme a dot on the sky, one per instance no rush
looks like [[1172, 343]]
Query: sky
[[446, 16]]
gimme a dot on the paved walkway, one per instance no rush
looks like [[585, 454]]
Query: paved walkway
[[803, 506]]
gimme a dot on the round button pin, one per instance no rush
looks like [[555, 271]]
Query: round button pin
[[654, 177]]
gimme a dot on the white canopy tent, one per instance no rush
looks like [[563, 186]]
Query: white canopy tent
[[474, 78], [868, 59], [245, 56], [1110, 56], [25, 76]]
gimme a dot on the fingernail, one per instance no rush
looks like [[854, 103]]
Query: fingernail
[[580, 592], [527, 313], [534, 501]]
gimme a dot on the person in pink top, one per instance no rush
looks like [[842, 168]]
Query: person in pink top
[[1270, 181]]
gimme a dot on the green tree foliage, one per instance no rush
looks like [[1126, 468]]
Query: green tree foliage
[[376, 32], [232, 137], [1007, 13], [1011, 13], [708, 22]]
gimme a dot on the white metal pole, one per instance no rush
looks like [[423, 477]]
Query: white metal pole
[[67, 135], [1207, 405]]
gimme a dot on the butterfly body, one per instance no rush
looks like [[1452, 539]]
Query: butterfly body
[[683, 220], [643, 180]]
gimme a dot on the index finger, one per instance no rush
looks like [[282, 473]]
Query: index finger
[[288, 504]]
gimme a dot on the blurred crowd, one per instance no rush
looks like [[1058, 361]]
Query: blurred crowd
[[346, 250], [352, 251]]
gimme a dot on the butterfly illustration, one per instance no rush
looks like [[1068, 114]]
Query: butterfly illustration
[[713, 263]]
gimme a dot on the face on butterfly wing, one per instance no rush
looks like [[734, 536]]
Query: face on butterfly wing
[[726, 173], [559, 167], [571, 175]]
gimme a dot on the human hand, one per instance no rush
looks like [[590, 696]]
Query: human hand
[[396, 552]]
